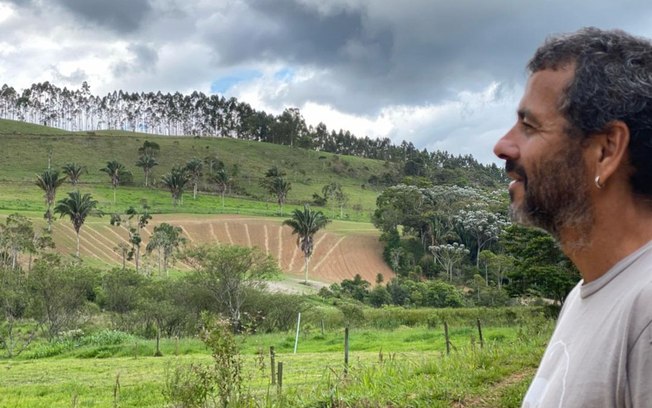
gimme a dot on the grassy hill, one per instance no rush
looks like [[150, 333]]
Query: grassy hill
[[343, 250], [26, 148]]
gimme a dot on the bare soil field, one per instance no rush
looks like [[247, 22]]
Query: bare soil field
[[340, 252]]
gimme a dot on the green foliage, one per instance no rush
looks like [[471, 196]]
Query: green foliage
[[167, 239], [199, 385], [61, 294], [229, 273], [540, 268]]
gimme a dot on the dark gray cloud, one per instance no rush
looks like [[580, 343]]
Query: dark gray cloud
[[392, 52], [144, 59], [120, 16]]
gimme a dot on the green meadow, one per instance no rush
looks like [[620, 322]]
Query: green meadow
[[401, 367]]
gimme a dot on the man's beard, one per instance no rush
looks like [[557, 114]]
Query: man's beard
[[556, 195]]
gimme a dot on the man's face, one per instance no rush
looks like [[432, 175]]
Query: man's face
[[549, 188]]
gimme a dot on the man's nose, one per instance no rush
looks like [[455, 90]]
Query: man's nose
[[506, 147]]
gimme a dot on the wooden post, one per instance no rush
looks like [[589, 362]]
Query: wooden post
[[272, 358], [280, 375], [448, 341], [296, 338], [346, 350], [322, 327], [480, 333]]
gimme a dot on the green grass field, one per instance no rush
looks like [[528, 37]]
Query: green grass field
[[27, 147], [403, 367]]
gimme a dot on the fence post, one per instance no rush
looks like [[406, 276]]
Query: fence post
[[272, 358], [480, 332], [448, 341], [296, 338], [322, 327], [280, 375], [346, 350]]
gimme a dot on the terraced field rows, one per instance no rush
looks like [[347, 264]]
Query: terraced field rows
[[336, 256]]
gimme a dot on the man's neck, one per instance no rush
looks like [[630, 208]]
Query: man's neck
[[616, 233]]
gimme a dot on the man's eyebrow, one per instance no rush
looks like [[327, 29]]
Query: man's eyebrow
[[527, 114]]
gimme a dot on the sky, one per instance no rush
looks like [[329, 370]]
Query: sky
[[442, 74]]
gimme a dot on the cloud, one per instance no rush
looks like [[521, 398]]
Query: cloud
[[116, 15], [439, 73]]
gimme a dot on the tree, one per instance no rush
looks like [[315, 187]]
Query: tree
[[14, 306], [49, 181], [147, 162], [484, 226], [230, 273], [194, 169], [448, 255], [16, 236], [280, 188], [149, 149], [306, 224], [117, 172], [73, 171], [275, 183], [166, 239], [61, 293], [497, 264], [135, 238], [76, 207], [175, 181], [222, 181], [540, 267]]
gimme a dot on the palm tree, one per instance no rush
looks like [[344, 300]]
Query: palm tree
[[175, 181], [77, 207], [147, 163], [116, 171], [305, 224], [280, 188], [194, 168], [49, 181], [222, 180], [73, 171]]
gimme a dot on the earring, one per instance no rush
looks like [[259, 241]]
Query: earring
[[597, 183]]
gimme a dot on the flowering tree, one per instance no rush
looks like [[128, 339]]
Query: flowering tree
[[483, 226], [449, 255]]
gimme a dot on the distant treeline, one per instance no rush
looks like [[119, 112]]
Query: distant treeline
[[202, 115]]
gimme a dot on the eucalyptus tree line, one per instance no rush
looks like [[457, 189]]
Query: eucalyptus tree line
[[198, 114]]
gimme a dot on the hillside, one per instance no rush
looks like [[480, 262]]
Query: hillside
[[26, 148], [342, 250]]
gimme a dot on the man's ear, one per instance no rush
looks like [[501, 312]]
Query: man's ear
[[609, 149]]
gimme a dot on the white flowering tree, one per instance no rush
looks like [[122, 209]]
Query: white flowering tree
[[483, 226], [448, 256]]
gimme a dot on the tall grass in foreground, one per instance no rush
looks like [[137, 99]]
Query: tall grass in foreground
[[406, 367]]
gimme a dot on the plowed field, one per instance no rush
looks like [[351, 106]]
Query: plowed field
[[341, 251]]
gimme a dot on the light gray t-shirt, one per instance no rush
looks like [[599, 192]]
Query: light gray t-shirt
[[600, 354]]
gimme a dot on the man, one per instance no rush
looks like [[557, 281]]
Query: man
[[580, 157]]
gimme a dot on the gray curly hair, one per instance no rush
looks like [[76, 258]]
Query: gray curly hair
[[612, 81]]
